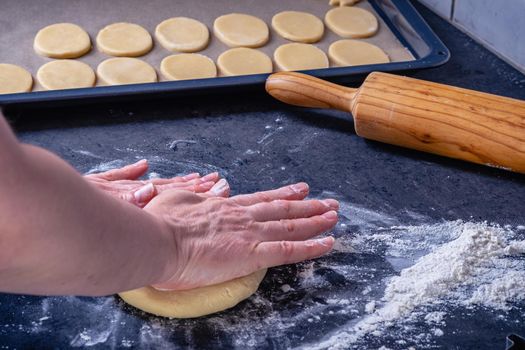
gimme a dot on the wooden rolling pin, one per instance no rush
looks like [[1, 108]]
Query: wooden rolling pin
[[441, 119]]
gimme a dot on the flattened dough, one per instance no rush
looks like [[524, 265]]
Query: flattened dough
[[343, 2], [243, 61], [125, 70], [298, 26], [295, 56], [195, 302], [351, 22], [65, 74], [182, 34], [188, 66], [354, 52], [14, 79], [124, 39], [241, 30], [62, 40]]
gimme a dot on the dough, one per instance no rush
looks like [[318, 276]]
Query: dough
[[240, 30], [194, 302], [187, 66], [343, 2], [62, 40], [14, 79], [124, 39], [298, 26], [65, 74], [354, 52], [125, 70], [295, 56], [351, 22], [243, 61], [182, 34]]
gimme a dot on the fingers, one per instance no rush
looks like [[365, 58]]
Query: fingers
[[294, 192], [287, 209], [128, 172], [220, 189], [190, 177], [140, 197], [297, 229], [269, 254]]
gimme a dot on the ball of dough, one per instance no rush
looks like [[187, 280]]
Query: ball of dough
[[298, 26], [188, 66], [194, 302], [240, 30], [182, 34], [124, 39], [65, 74], [125, 70], [351, 22], [14, 79], [295, 56], [62, 40], [243, 61], [354, 52]]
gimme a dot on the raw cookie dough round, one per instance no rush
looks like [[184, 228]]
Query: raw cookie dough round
[[125, 70], [182, 34], [62, 40], [243, 61], [354, 52], [65, 74], [298, 26], [14, 79], [240, 30], [194, 302], [188, 66], [124, 39], [295, 56], [351, 22]]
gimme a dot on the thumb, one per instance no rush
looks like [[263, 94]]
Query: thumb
[[143, 195]]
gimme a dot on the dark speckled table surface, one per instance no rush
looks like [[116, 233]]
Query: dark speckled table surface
[[256, 144]]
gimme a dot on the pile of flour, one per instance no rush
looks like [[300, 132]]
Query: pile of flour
[[477, 264]]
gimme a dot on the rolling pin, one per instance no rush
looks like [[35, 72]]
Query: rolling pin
[[429, 117]]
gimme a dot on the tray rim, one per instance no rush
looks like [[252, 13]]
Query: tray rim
[[438, 54]]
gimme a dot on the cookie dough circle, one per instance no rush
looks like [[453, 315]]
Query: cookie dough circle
[[244, 61], [298, 26], [14, 79], [125, 70], [296, 56], [188, 66], [351, 22], [194, 302], [241, 30], [65, 74], [354, 52], [62, 40], [124, 39], [182, 34]]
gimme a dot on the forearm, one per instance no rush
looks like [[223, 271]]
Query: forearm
[[58, 235]]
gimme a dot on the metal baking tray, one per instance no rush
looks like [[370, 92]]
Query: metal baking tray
[[403, 34]]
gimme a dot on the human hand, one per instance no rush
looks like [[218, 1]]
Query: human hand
[[218, 239], [123, 183]]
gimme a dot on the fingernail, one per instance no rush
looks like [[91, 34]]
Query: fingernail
[[140, 162], [144, 193], [331, 203], [300, 187], [330, 215], [220, 186], [209, 177], [191, 176], [326, 241]]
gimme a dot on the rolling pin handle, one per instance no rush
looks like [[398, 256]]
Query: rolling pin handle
[[306, 91]]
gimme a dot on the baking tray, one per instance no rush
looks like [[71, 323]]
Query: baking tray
[[403, 34]]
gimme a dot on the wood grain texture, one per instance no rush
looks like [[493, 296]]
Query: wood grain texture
[[430, 117]]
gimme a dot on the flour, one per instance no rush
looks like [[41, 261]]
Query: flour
[[478, 266]]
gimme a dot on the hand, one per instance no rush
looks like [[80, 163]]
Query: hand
[[123, 183], [218, 239]]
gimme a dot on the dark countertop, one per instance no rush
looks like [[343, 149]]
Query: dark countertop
[[257, 143]]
